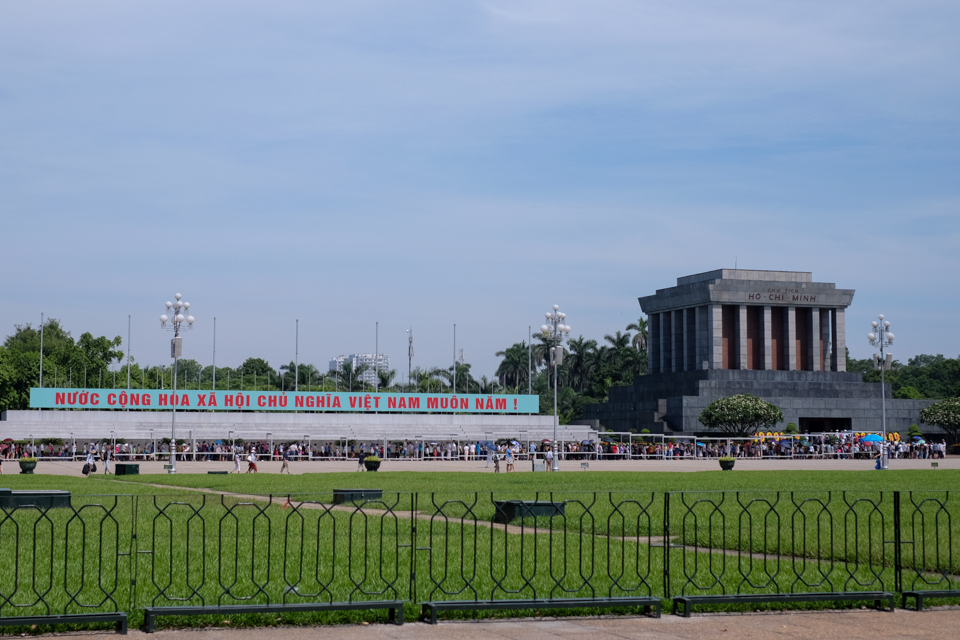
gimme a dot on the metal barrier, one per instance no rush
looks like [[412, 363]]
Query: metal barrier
[[479, 557], [746, 547], [926, 534], [102, 559], [66, 563], [236, 555]]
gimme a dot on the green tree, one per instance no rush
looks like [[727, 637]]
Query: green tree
[[513, 367], [348, 377], [581, 360], [21, 361], [741, 415], [944, 414], [252, 366], [385, 378], [907, 393], [464, 380], [642, 333]]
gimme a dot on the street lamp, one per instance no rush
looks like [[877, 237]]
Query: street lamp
[[176, 351], [555, 331], [881, 337]]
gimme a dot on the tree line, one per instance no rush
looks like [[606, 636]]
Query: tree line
[[100, 363], [589, 369]]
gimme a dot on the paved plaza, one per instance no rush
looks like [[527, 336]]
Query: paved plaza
[[839, 625], [56, 467]]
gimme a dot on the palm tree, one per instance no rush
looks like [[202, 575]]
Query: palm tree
[[418, 379], [639, 338], [514, 363], [438, 374], [464, 379], [304, 375], [541, 350], [385, 378], [618, 343], [487, 386], [580, 361], [348, 378]]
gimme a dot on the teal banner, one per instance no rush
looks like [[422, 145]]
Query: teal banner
[[280, 401]]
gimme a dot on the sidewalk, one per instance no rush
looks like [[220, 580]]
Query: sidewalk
[[56, 467], [839, 625]]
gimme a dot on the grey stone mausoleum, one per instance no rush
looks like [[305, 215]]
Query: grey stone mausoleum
[[775, 334]]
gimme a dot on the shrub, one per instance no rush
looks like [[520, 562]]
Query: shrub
[[740, 415]]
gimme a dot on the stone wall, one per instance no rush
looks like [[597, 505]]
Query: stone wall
[[817, 395]]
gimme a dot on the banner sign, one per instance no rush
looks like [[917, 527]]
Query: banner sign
[[280, 401]]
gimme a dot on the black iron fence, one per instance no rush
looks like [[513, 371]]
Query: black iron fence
[[303, 558]]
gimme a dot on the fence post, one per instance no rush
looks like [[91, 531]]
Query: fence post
[[897, 543], [413, 547], [134, 552], [666, 544]]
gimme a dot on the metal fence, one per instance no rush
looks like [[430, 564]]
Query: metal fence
[[104, 559]]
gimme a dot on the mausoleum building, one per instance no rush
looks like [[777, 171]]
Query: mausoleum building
[[775, 334]]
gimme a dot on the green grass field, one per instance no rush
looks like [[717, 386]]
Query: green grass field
[[456, 482], [191, 544]]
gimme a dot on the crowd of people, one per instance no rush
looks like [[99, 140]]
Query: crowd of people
[[839, 446]]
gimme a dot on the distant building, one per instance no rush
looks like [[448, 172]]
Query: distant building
[[375, 362]]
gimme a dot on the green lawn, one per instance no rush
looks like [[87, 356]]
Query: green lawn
[[453, 482], [827, 527]]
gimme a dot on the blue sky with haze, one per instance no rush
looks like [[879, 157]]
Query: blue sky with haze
[[432, 163]]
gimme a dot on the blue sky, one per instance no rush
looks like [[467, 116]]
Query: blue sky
[[432, 163]]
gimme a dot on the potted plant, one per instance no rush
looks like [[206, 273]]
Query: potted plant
[[726, 463], [27, 465], [372, 463]]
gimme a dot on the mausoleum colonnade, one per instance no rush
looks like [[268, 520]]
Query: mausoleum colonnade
[[747, 336]]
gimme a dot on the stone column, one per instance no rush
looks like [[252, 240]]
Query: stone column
[[685, 314], [825, 324], [767, 339], [791, 332], [839, 339], [742, 337], [815, 338], [673, 341], [715, 336], [653, 345], [697, 339], [663, 343]]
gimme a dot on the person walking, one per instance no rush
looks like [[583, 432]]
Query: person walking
[[286, 461], [360, 459], [252, 462], [106, 460], [236, 462]]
